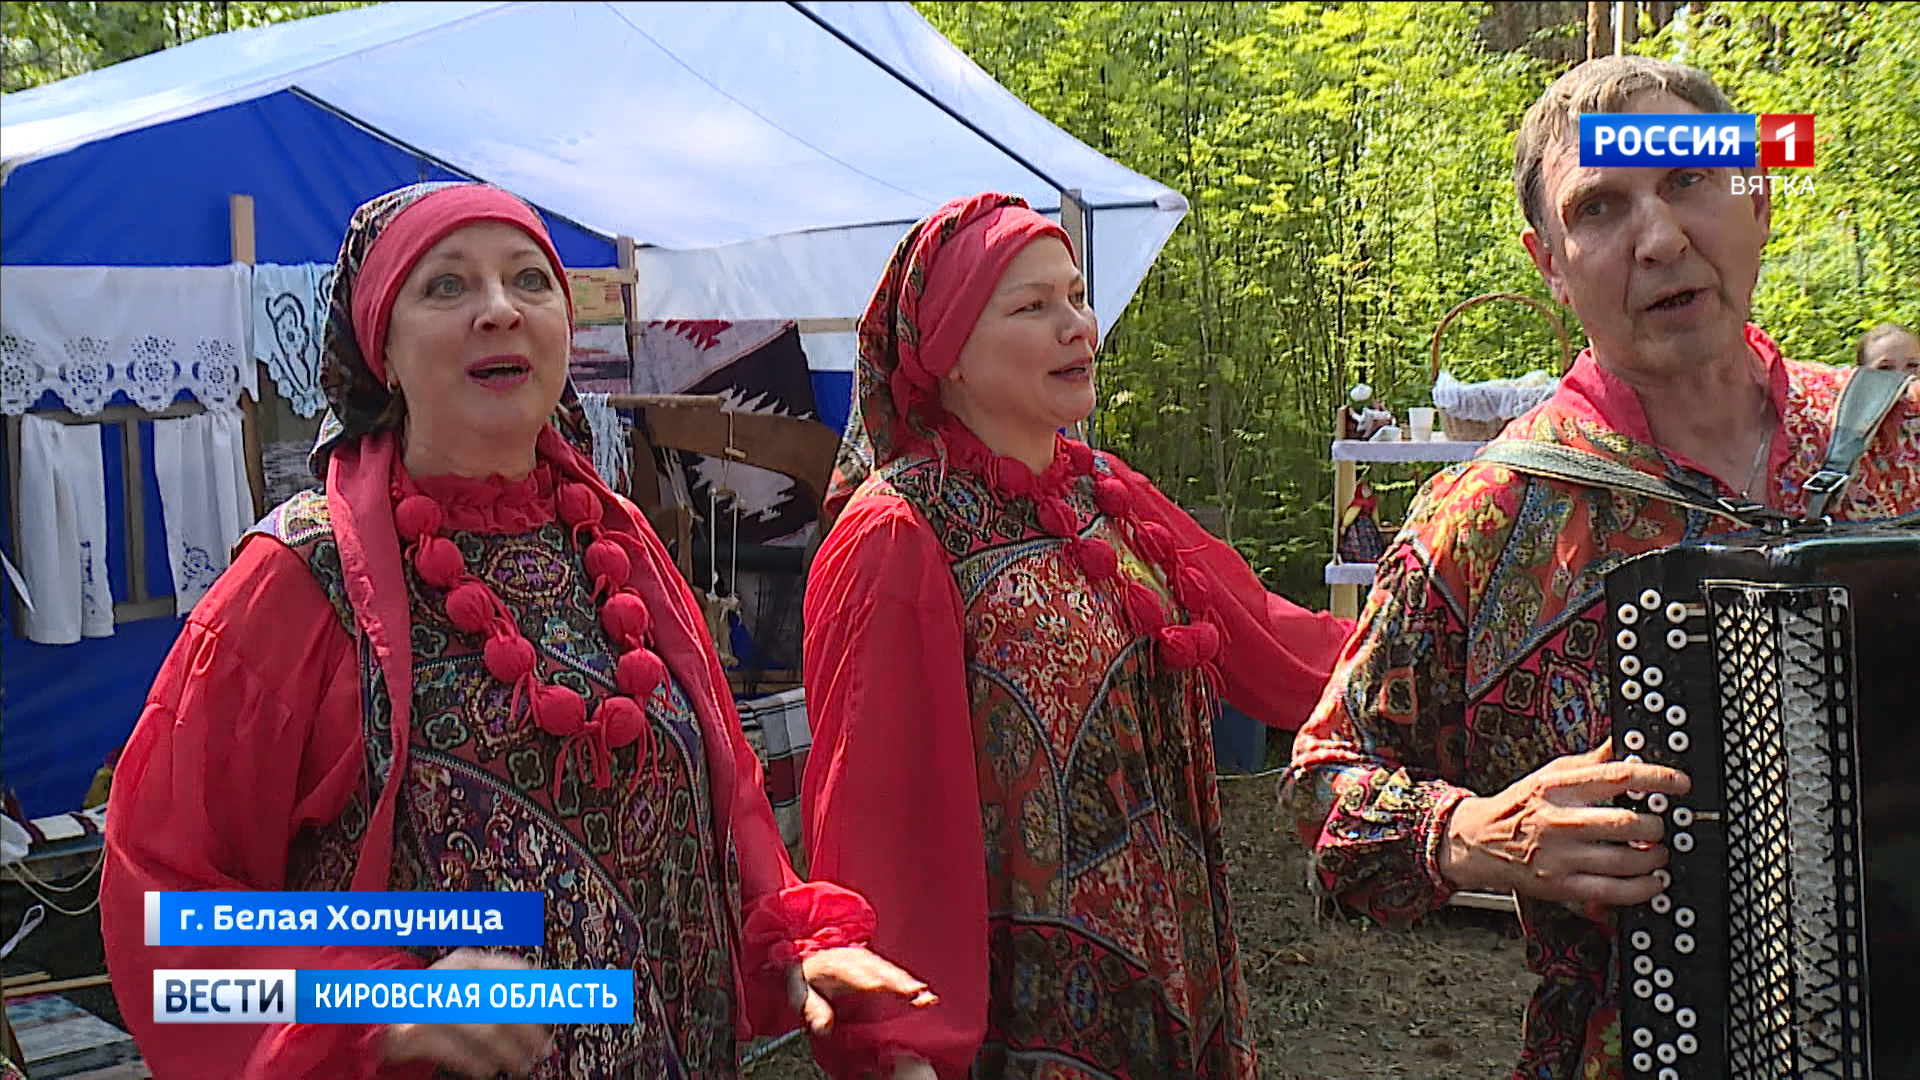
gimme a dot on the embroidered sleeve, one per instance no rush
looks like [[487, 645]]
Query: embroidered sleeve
[[1368, 787]]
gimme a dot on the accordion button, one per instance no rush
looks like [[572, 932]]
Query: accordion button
[[1682, 816], [1676, 639], [1634, 740], [1643, 965], [1629, 666], [1676, 612], [1685, 1018], [1642, 988], [1663, 978], [1655, 703], [1627, 640], [1663, 1003], [1643, 1038], [1650, 599], [1628, 614], [1678, 742], [1686, 1044], [1657, 802], [1661, 904], [1630, 690], [1651, 676], [1683, 943], [1666, 1053], [1665, 879], [1677, 715], [1683, 842], [1668, 1073], [1683, 918], [1641, 940], [1643, 1062]]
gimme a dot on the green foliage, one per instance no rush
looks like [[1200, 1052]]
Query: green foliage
[[1349, 167], [1350, 170], [46, 42]]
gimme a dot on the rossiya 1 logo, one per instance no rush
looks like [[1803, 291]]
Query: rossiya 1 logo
[[1705, 140]]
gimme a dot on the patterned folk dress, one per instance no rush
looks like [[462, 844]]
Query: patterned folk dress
[[1111, 951], [628, 880], [1477, 662]]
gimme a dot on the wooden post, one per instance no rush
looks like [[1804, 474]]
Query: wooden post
[[1073, 218], [1346, 480], [240, 225], [1625, 20], [1596, 28]]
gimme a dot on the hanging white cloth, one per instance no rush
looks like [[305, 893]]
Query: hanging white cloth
[[88, 332], [63, 532], [205, 498], [290, 305], [611, 441]]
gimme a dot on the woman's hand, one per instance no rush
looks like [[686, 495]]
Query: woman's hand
[[908, 1067], [481, 1051], [839, 973]]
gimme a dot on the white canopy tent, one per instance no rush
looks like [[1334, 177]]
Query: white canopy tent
[[768, 154]]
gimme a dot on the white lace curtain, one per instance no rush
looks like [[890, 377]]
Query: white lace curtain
[[88, 332]]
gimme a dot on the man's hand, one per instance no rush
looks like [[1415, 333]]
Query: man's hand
[[481, 1051], [837, 973], [1548, 836]]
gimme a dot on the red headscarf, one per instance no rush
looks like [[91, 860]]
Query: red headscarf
[[935, 286]]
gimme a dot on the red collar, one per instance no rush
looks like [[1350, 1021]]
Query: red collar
[[1591, 392]]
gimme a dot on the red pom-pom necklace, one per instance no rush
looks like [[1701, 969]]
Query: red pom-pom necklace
[[1181, 646], [473, 608]]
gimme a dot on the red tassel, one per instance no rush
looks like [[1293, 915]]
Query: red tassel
[[471, 607], [558, 710], [1187, 647], [438, 562], [607, 562], [1143, 609], [639, 672], [418, 516], [1156, 542], [1080, 456], [1195, 590], [1057, 518], [1111, 496], [623, 719], [508, 658], [1095, 559], [578, 507], [625, 619]]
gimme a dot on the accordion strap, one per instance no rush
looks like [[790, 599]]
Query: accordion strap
[[1558, 462], [1864, 403]]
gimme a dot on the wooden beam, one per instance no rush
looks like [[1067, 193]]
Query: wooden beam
[[827, 326], [133, 466], [57, 986], [240, 228], [115, 414], [624, 249]]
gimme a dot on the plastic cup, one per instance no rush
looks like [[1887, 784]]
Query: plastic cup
[[1421, 422]]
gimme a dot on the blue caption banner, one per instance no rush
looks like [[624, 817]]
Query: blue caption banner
[[346, 918], [1667, 140], [208, 996]]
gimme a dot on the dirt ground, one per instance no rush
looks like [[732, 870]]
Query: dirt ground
[[1333, 999]]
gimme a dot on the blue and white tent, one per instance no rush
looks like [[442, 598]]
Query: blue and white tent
[[766, 157]]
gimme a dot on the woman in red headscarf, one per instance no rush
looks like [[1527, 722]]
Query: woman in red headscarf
[[467, 665], [1014, 648]]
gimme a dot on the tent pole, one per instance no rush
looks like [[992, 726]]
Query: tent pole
[[240, 239], [1075, 219]]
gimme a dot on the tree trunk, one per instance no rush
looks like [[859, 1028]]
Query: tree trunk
[[1597, 43]]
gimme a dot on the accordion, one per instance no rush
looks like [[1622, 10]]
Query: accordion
[[1780, 673]]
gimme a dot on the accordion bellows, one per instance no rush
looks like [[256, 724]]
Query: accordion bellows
[[1776, 672]]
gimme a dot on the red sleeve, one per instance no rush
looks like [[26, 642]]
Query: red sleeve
[[1275, 656], [252, 730], [891, 802]]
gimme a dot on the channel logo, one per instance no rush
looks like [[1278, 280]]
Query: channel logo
[[1696, 140]]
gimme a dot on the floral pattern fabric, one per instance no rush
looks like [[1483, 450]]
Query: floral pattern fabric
[[1111, 950], [1476, 663]]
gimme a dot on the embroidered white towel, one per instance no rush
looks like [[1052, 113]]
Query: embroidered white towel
[[289, 319], [63, 532], [205, 498], [88, 332]]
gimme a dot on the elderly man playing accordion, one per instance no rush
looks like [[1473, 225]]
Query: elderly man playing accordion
[[1464, 739]]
